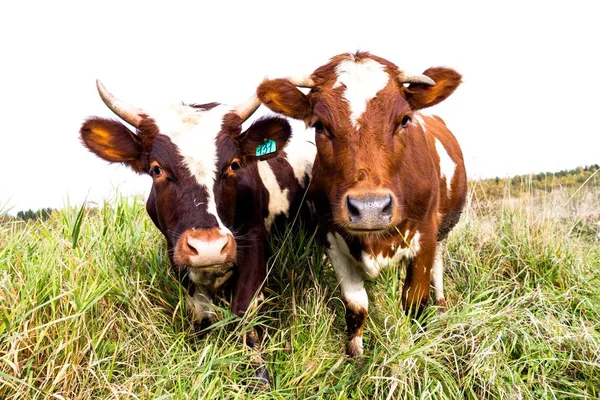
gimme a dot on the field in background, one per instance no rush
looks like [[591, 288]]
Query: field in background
[[89, 310]]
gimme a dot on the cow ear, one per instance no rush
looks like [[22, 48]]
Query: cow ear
[[265, 139], [112, 141], [420, 95], [282, 97]]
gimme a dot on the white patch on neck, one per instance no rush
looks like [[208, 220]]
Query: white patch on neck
[[347, 272], [372, 265], [200, 305], [363, 80], [301, 150], [278, 198], [194, 132], [447, 166]]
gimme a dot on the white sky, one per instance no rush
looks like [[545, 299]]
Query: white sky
[[528, 102]]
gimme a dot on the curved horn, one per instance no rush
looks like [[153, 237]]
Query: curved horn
[[301, 81], [123, 110], [247, 108], [423, 79]]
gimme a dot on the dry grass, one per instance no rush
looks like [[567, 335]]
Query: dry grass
[[88, 310]]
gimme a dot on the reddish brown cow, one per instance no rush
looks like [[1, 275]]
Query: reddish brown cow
[[389, 183], [211, 197]]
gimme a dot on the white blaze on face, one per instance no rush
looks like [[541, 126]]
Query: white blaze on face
[[278, 198], [194, 132], [362, 80], [373, 264], [447, 166]]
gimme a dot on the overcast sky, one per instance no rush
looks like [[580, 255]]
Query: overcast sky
[[528, 102]]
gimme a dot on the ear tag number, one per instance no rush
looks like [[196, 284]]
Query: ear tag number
[[266, 147]]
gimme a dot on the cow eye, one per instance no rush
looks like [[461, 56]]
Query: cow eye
[[405, 120], [235, 165], [318, 126], [156, 171]]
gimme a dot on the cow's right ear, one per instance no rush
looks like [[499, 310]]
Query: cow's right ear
[[281, 96], [264, 139], [113, 142]]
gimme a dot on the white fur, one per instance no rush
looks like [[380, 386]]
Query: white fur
[[437, 273], [447, 166], [372, 265], [301, 150], [347, 271], [194, 132], [419, 119], [200, 305], [363, 80], [278, 199]]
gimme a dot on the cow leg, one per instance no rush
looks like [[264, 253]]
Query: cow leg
[[437, 278], [353, 291], [252, 266], [415, 292], [261, 373]]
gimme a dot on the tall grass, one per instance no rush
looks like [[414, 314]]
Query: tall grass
[[88, 310]]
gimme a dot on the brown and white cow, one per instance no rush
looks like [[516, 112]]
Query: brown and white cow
[[389, 182], [212, 197]]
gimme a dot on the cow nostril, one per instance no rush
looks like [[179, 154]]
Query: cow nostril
[[191, 248], [353, 210], [226, 245], [387, 209]]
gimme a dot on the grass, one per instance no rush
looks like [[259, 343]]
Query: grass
[[89, 310]]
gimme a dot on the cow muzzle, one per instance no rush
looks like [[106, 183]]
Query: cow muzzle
[[369, 211], [205, 248]]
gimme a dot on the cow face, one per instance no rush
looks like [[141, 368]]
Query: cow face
[[194, 155], [362, 111]]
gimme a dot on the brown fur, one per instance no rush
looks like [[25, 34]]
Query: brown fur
[[177, 204], [380, 157]]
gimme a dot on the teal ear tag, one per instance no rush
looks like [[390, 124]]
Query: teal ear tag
[[266, 147]]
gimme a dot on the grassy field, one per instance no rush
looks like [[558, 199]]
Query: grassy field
[[89, 310]]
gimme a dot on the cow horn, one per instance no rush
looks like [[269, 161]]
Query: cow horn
[[126, 112], [423, 79], [246, 109], [301, 81]]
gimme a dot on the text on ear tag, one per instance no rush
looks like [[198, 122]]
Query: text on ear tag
[[266, 147]]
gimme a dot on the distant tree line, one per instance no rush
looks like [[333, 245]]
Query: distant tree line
[[544, 181], [41, 214]]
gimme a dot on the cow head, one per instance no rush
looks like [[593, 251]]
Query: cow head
[[193, 154], [362, 109]]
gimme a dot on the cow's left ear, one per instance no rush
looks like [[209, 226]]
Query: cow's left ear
[[264, 139], [420, 95]]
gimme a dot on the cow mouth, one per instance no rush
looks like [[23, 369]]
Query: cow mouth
[[221, 267], [367, 231]]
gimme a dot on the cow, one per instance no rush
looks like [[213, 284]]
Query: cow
[[216, 190], [388, 183]]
